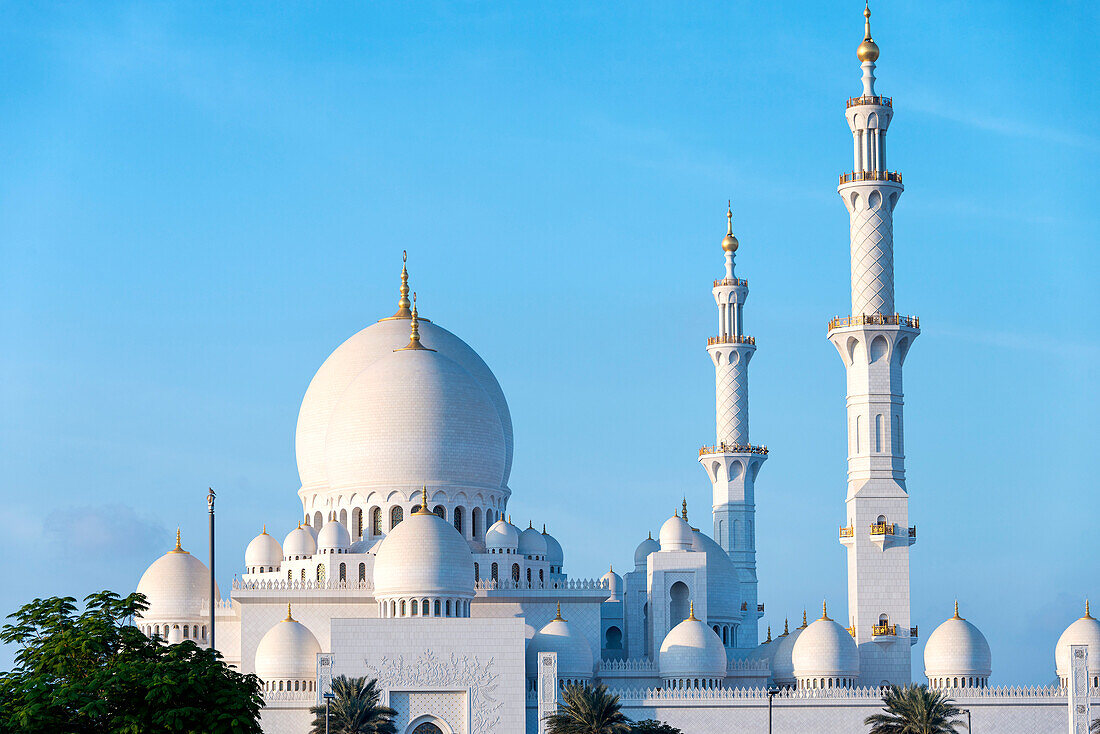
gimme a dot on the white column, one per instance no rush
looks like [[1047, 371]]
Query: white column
[[1078, 698]]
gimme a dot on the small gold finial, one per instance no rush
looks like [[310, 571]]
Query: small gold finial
[[651, 535], [611, 568], [288, 617], [414, 336], [691, 612], [729, 242], [558, 617], [423, 502], [403, 303], [509, 519], [824, 611], [868, 50], [264, 531], [769, 634], [956, 610], [685, 506], [178, 548], [805, 624], [544, 528], [786, 630], [1087, 615]]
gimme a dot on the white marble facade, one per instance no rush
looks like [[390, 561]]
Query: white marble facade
[[407, 567]]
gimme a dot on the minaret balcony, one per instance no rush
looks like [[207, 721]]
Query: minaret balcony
[[733, 448], [847, 535], [884, 632], [888, 535], [853, 176], [874, 319], [731, 281], [912, 635], [731, 339], [868, 99]]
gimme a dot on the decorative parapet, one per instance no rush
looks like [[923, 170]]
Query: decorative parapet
[[731, 339], [733, 448], [870, 176], [509, 585], [881, 630], [307, 585], [874, 319], [643, 696], [747, 665], [869, 99], [308, 698], [637, 665], [730, 281]]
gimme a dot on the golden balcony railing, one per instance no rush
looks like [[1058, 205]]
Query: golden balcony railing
[[730, 281], [852, 630], [870, 176], [913, 532], [913, 632], [874, 319], [760, 608], [731, 339], [869, 99], [848, 532], [879, 630], [733, 448], [882, 528]]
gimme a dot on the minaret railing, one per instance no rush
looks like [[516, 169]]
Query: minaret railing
[[870, 176], [867, 99], [731, 339], [733, 448], [874, 319]]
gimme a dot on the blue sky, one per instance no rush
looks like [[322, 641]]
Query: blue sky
[[199, 203]]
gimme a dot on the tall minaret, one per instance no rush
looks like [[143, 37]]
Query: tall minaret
[[873, 343], [732, 463]]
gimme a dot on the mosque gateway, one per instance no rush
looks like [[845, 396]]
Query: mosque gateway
[[406, 567]]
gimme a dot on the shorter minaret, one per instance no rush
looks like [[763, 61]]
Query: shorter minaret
[[732, 463]]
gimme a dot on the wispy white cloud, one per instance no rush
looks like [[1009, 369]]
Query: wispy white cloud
[[103, 531]]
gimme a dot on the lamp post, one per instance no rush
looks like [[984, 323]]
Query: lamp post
[[967, 712], [210, 505], [328, 697], [771, 694]]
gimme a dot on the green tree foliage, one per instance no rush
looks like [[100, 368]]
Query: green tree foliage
[[1094, 727], [356, 709], [915, 709], [652, 726], [587, 710], [94, 673]]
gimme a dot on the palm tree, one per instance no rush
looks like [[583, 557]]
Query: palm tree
[[916, 710], [588, 710], [356, 709], [1094, 727]]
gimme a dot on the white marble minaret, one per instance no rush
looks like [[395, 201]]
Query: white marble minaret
[[873, 343], [732, 463]]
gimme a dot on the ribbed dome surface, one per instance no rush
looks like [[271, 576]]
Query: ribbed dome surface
[[345, 364], [175, 586], [692, 649], [1085, 631], [574, 653], [263, 551], [424, 556], [415, 417], [287, 651], [502, 535], [957, 648], [825, 650]]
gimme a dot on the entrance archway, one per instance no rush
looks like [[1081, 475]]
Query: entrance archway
[[428, 724], [427, 728]]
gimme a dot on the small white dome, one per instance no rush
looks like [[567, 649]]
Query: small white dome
[[614, 585], [175, 635], [554, 554], [641, 554], [263, 552], [287, 651], [676, 534], [957, 648], [691, 649], [175, 586], [574, 652], [764, 650], [424, 556], [783, 647], [333, 537], [299, 543], [1085, 631], [310, 529], [825, 650], [532, 543], [366, 545], [502, 535]]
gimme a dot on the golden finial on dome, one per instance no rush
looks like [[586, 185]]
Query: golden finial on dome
[[1087, 615], [264, 531], [651, 535], [685, 506], [956, 610], [178, 548], [403, 311], [786, 630], [868, 50], [414, 337], [805, 624], [423, 502], [544, 528], [691, 612], [729, 242], [769, 634], [558, 617], [288, 617]]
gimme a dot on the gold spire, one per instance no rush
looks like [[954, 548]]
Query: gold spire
[[1087, 615], [729, 242], [804, 623], [544, 528], [423, 503], [786, 631], [651, 535], [178, 548], [685, 506], [956, 610], [509, 519], [414, 337], [558, 617], [769, 634], [691, 612], [868, 50], [264, 531], [288, 617], [403, 311], [824, 611]]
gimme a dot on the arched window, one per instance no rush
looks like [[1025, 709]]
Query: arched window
[[320, 572], [528, 577], [878, 432], [303, 574], [458, 519], [475, 523], [343, 572], [204, 632], [859, 430], [515, 573], [725, 635], [424, 610], [678, 603], [613, 640], [362, 572], [441, 511], [414, 607], [186, 632], [436, 608], [357, 516], [477, 573], [494, 572], [289, 575], [397, 514], [376, 521]]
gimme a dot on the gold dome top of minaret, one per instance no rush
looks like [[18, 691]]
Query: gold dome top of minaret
[[729, 242], [868, 50]]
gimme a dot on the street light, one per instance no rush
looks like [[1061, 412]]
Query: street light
[[210, 504], [967, 712], [328, 697], [771, 694]]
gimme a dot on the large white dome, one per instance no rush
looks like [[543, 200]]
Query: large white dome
[[723, 581], [691, 649], [574, 653], [676, 535], [415, 417], [424, 556], [957, 649], [287, 651], [1085, 631], [351, 358], [175, 586], [825, 650]]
